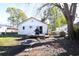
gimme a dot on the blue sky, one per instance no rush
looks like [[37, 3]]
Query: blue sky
[[29, 9]]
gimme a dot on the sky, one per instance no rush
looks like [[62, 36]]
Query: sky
[[30, 10]]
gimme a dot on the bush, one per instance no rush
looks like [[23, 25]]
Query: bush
[[49, 33], [54, 33], [62, 34], [76, 31], [9, 34], [77, 34]]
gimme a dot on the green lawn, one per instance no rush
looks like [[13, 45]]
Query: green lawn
[[8, 41]]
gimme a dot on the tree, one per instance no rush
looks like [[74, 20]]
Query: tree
[[60, 21], [16, 15], [69, 12], [57, 16]]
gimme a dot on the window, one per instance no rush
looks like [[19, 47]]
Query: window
[[65, 28], [23, 27], [30, 26]]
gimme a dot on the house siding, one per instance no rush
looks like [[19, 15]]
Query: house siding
[[30, 27]]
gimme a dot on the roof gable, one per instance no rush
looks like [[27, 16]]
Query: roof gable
[[31, 18]]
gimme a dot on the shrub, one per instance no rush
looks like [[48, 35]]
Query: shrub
[[54, 33], [76, 30], [62, 34], [9, 34], [49, 33], [77, 34]]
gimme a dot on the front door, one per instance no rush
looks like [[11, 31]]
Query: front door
[[40, 29]]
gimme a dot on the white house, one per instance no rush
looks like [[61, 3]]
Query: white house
[[29, 26]]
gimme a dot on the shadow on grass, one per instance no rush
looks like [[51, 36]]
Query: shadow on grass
[[11, 50]]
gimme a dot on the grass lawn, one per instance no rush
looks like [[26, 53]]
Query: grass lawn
[[8, 41]]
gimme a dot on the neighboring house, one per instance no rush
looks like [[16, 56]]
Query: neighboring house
[[11, 29], [3, 28], [29, 26], [62, 28], [7, 28]]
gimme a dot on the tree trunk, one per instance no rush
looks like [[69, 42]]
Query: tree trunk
[[70, 17], [70, 29]]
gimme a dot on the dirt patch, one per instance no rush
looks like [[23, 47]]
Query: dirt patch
[[59, 47], [51, 49]]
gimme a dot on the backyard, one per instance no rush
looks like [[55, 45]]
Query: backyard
[[8, 41], [54, 31], [9, 44], [56, 47]]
